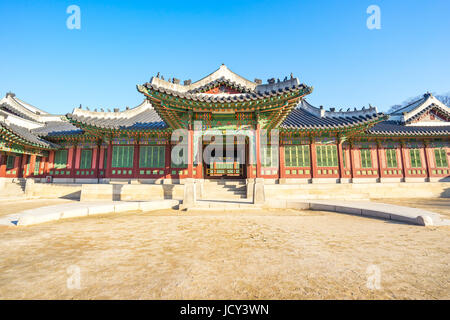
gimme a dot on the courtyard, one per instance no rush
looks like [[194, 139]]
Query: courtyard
[[268, 254]]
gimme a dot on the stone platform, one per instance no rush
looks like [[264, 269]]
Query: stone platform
[[361, 208], [82, 209], [356, 207]]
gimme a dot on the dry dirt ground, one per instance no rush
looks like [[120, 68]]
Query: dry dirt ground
[[273, 254]]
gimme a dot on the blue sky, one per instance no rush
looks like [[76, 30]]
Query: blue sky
[[123, 43]]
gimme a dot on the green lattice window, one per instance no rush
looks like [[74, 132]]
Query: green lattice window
[[440, 155], [269, 156], [415, 158], [297, 156], [327, 156], [122, 156], [10, 162], [105, 158], [37, 164], [60, 159], [152, 156], [86, 159], [366, 159], [391, 158]]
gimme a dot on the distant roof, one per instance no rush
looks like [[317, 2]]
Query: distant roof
[[143, 117], [25, 110], [57, 128], [24, 136], [410, 112], [406, 121], [306, 116], [395, 128]]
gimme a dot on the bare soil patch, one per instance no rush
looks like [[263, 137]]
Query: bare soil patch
[[272, 254]]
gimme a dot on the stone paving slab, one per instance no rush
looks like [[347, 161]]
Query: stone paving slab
[[82, 209], [360, 208], [381, 210], [364, 208]]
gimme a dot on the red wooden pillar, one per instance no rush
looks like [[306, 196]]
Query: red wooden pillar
[[51, 160], [190, 153], [3, 158], [379, 155], [281, 166], [167, 161], [46, 161], [249, 158], [428, 164], [136, 160], [97, 166], [74, 160], [32, 165], [258, 150], [25, 164], [19, 168], [352, 161], [312, 151], [108, 170], [402, 153], [340, 158], [199, 160]]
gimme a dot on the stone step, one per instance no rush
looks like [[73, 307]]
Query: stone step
[[225, 182], [13, 188]]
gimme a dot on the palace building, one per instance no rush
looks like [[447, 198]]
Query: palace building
[[312, 144]]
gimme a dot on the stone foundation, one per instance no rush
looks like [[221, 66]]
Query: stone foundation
[[350, 191]]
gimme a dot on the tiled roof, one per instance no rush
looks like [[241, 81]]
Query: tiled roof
[[143, 117], [225, 98], [57, 128], [27, 136], [414, 110], [25, 110], [250, 91], [220, 81], [396, 128], [444, 112], [305, 116]]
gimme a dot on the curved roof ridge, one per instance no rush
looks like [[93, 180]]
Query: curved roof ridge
[[404, 114], [222, 72], [322, 113], [413, 104], [226, 73], [25, 135], [30, 106], [124, 114], [17, 105]]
